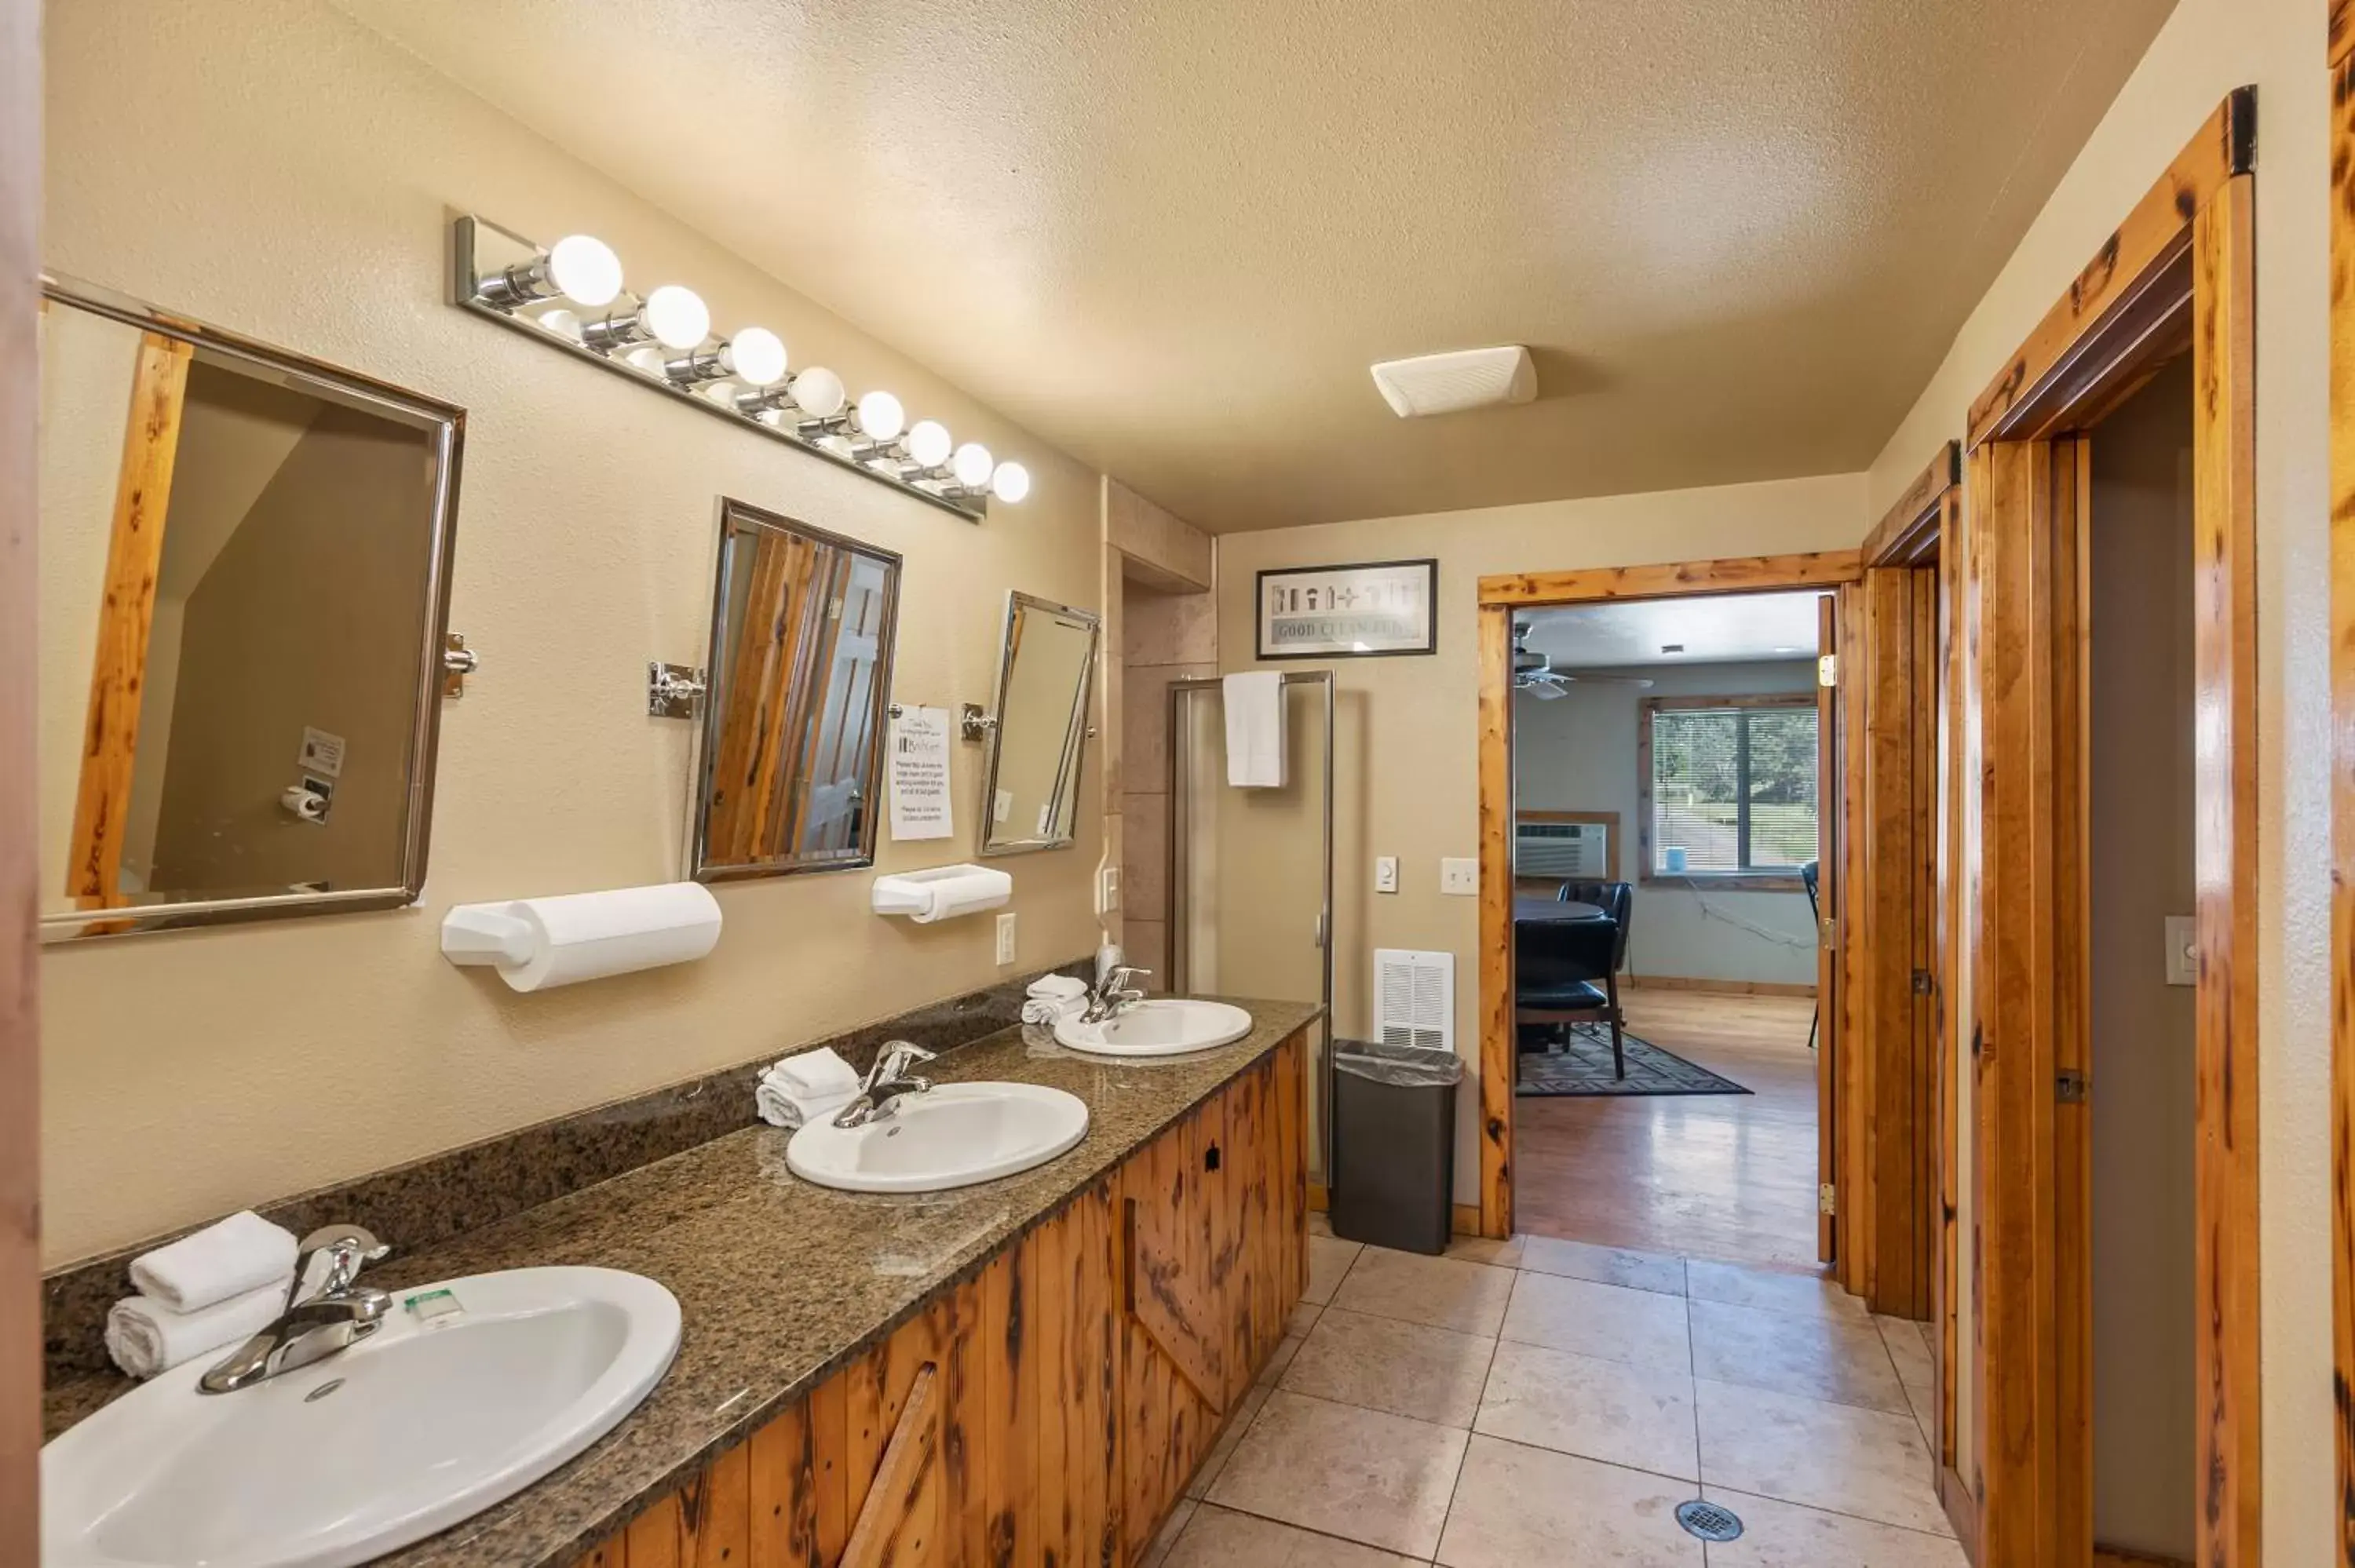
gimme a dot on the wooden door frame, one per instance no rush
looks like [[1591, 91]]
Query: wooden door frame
[[1921, 531], [2177, 274], [1499, 598], [20, 1099], [2341, 60]]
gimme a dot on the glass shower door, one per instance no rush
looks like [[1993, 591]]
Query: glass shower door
[[1252, 870]]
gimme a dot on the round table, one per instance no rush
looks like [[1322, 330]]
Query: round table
[[1530, 911]]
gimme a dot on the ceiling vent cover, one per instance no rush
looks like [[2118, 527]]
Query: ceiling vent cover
[[1450, 383]]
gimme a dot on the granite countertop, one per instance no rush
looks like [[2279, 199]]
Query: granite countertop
[[779, 1282]]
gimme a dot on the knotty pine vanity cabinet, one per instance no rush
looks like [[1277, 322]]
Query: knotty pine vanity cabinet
[[1050, 1411]]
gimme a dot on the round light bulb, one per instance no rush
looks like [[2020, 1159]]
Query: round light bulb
[[723, 393], [928, 443], [819, 393], [1011, 484], [646, 357], [880, 416], [972, 465], [584, 270], [757, 356], [561, 322], [677, 316]]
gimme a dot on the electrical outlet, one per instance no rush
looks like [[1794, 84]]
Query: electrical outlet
[[1005, 937], [1108, 890], [1460, 876], [2183, 950], [1386, 873]]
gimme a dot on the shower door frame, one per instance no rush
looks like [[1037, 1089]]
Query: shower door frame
[[1180, 862]]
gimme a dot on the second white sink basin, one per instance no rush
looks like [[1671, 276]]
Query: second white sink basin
[[1166, 1026], [425, 1422], [955, 1136]]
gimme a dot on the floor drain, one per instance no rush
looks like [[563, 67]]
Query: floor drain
[[1708, 1521]]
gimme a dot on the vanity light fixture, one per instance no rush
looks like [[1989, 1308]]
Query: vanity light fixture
[[571, 295]]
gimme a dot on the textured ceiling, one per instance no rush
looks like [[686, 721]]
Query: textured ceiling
[[1170, 236], [1712, 630]]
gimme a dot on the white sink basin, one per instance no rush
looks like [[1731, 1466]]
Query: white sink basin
[[408, 1432], [955, 1136], [1166, 1026]]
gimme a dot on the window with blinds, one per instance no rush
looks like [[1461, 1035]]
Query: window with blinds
[[1732, 788]]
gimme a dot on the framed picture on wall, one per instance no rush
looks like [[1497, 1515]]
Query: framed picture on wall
[[1367, 610]]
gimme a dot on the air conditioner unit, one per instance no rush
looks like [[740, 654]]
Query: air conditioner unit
[[1415, 997], [1579, 850]]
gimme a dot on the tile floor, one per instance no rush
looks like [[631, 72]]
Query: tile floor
[[1546, 1403]]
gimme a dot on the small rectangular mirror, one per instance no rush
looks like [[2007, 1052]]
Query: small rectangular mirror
[[1030, 797], [244, 592], [792, 770]]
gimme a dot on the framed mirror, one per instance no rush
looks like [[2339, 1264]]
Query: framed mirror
[[244, 598], [1029, 798], [791, 776]]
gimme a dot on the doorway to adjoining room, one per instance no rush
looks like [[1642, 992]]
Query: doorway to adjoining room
[[1665, 847]]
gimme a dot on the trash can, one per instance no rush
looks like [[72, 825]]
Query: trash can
[[1394, 1145]]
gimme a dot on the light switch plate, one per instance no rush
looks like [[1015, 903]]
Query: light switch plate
[[2183, 949], [1005, 937], [1108, 890], [1459, 875], [1386, 873]]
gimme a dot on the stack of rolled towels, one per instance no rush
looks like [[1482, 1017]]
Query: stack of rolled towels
[[1054, 997], [205, 1292], [800, 1089]]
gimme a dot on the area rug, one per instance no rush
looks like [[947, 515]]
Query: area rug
[[1585, 1069]]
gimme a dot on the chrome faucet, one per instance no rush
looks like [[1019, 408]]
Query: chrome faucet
[[338, 1315], [1114, 994], [887, 1080]]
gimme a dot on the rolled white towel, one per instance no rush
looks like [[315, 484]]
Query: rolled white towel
[[146, 1336], [779, 1106], [242, 1252], [814, 1072], [1057, 988], [1052, 1010]]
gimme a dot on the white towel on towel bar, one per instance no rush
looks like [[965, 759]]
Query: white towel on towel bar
[[1256, 745]]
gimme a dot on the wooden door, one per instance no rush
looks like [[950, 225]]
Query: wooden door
[[1891, 1047], [1828, 797]]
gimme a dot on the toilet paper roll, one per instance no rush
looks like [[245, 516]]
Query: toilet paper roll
[[538, 943]]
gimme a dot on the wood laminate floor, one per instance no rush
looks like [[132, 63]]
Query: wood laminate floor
[[1718, 1176]]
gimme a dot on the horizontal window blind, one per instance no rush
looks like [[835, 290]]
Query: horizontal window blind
[[1733, 788]]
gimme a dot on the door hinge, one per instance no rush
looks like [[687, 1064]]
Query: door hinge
[[2069, 1088], [1826, 1200], [1831, 932], [1827, 670], [1925, 984]]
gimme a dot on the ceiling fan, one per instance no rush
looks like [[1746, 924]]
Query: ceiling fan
[[1534, 672]]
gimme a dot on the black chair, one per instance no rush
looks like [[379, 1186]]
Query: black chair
[[1808, 875], [1565, 971], [1617, 902]]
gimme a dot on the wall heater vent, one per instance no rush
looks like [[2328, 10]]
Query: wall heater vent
[[1415, 997]]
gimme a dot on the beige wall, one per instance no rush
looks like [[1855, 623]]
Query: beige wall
[[2207, 48], [2144, 1031], [1407, 765], [278, 169], [1578, 752]]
